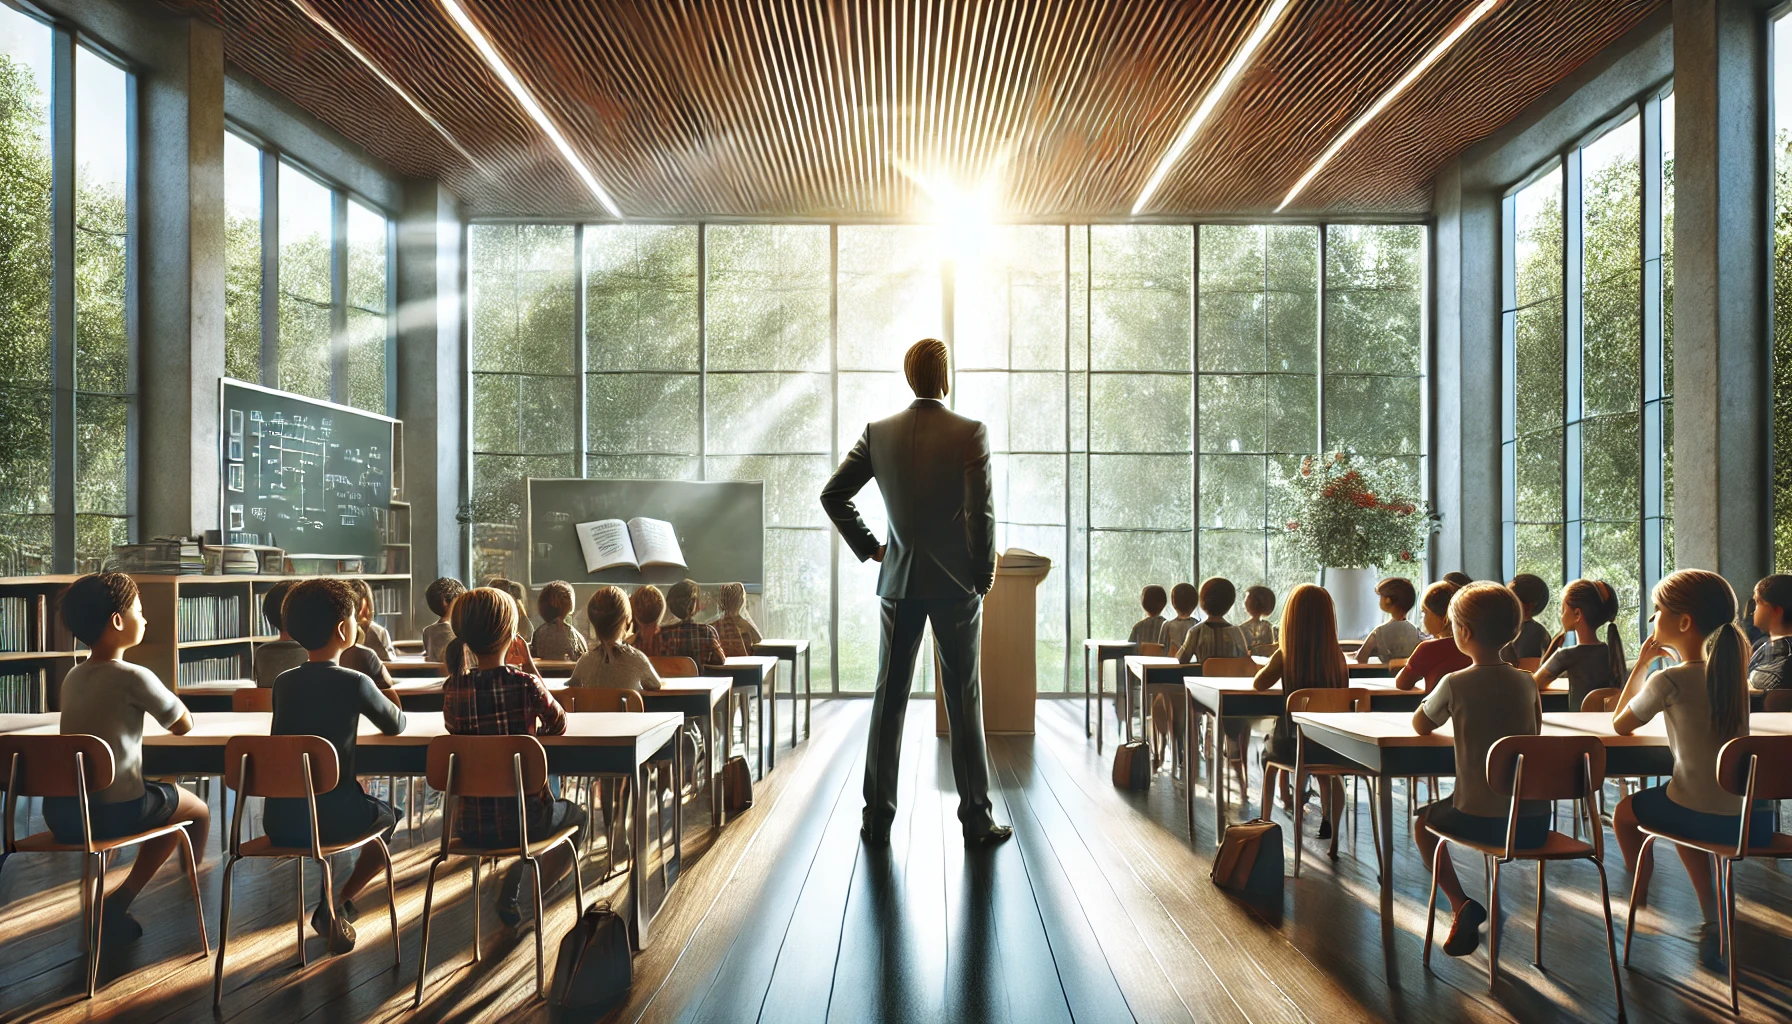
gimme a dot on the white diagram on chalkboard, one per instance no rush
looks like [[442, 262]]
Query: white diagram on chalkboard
[[308, 482]]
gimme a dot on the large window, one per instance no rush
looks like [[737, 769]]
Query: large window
[[1102, 359], [1587, 351], [242, 258], [306, 236]]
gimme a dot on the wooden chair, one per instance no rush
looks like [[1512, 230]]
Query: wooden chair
[[287, 767], [492, 767], [1226, 667], [1152, 650], [1546, 768], [251, 700], [1603, 699], [1776, 700], [1754, 768], [1320, 700], [674, 668], [1396, 665], [75, 766]]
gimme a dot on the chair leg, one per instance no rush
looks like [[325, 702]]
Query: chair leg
[[578, 887], [86, 904], [1437, 853], [1537, 947], [186, 845], [298, 864], [659, 823], [1726, 870], [223, 935], [478, 901], [99, 921], [391, 903], [1300, 814], [1493, 923], [1375, 837], [541, 927], [1611, 942], [1635, 891], [429, 899], [1269, 773]]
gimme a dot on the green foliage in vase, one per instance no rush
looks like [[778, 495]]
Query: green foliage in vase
[[1342, 518]]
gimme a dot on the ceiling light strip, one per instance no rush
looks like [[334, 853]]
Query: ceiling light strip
[[526, 100], [1215, 93], [356, 52], [1467, 22]]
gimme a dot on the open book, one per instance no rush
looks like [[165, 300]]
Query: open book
[[639, 543]]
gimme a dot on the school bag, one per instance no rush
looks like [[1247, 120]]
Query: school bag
[[595, 968], [1250, 859], [737, 785], [1132, 765]]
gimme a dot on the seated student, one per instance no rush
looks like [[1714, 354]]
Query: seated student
[[491, 698], [108, 697], [361, 658], [1395, 638], [1308, 656], [1705, 700], [1768, 666], [688, 638], [438, 634], [1439, 656], [734, 626], [519, 594], [321, 698], [1259, 632], [1461, 579], [557, 639], [276, 657], [1589, 664], [611, 661], [1150, 629], [1213, 636], [647, 606], [1755, 634], [1533, 638], [1487, 701], [1183, 597], [373, 635]]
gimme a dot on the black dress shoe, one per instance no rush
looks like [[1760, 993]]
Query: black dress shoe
[[874, 836], [997, 835]]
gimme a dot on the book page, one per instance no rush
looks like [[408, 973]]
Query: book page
[[656, 542], [606, 544]]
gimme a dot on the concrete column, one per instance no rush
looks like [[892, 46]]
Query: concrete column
[[432, 375], [1466, 370], [181, 249], [1722, 505]]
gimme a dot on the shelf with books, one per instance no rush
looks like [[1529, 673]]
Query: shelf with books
[[36, 650]]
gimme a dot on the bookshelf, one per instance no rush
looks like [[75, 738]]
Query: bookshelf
[[36, 651]]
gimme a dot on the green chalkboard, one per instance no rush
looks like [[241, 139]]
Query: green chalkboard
[[720, 527]]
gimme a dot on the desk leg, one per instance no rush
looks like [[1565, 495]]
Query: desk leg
[[808, 695], [1384, 808], [1125, 679], [771, 753], [1086, 732], [1218, 779], [637, 869], [759, 724], [793, 714], [1186, 759], [678, 801], [1101, 692], [714, 781]]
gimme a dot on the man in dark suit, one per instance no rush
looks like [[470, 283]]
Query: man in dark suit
[[932, 466]]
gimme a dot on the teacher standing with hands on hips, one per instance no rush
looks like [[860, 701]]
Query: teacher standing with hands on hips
[[932, 466]]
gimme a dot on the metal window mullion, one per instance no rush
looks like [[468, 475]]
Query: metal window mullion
[[338, 296], [1508, 239], [390, 314], [1651, 341], [1194, 398], [132, 305], [1070, 636], [1573, 268], [833, 452], [62, 298], [702, 355], [270, 269], [1319, 388], [580, 357], [1427, 401]]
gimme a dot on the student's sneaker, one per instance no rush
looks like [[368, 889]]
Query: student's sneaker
[[339, 935], [1465, 929]]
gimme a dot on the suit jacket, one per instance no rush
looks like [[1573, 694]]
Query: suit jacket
[[932, 466]]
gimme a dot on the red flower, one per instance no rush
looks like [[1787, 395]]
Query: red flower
[[1365, 500], [1406, 556], [1330, 491], [1293, 525]]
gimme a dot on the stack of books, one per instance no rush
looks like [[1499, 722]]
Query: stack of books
[[163, 556]]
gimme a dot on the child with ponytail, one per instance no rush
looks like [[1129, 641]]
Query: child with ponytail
[[1590, 664], [1705, 701]]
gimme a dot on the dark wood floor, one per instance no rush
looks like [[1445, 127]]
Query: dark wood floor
[[1098, 911]]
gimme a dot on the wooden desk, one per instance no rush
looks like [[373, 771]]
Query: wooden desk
[[1384, 744], [750, 673], [1105, 651], [790, 650], [410, 668], [698, 697]]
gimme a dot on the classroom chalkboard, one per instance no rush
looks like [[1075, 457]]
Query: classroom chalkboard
[[720, 526], [311, 477]]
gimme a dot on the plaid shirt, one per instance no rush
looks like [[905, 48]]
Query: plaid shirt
[[697, 641], [737, 633], [503, 701]]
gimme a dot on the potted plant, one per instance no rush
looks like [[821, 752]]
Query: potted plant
[[1346, 521]]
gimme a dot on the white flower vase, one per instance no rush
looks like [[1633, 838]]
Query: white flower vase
[[1353, 596]]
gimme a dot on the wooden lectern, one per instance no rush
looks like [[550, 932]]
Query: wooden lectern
[[1008, 666]]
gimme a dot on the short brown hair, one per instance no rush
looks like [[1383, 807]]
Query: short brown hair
[[609, 614], [441, 594], [315, 607], [1399, 592], [1437, 597], [1531, 592], [1461, 579], [271, 602], [648, 605], [683, 599], [926, 369], [1259, 600], [1217, 595], [90, 602], [1153, 599], [555, 601], [365, 590], [1184, 597], [1489, 611], [1776, 590]]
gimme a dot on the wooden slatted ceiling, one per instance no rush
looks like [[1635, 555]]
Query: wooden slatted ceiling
[[819, 109]]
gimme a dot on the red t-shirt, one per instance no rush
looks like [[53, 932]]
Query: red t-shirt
[[1435, 659]]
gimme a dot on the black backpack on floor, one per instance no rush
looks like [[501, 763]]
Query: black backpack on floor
[[595, 968]]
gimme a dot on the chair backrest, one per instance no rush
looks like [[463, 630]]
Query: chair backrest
[[1555, 767], [254, 698], [484, 765], [274, 766], [1151, 650], [1326, 699], [1772, 757], [674, 667], [602, 698], [1603, 699], [1776, 700], [46, 765], [1229, 667], [1530, 664]]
